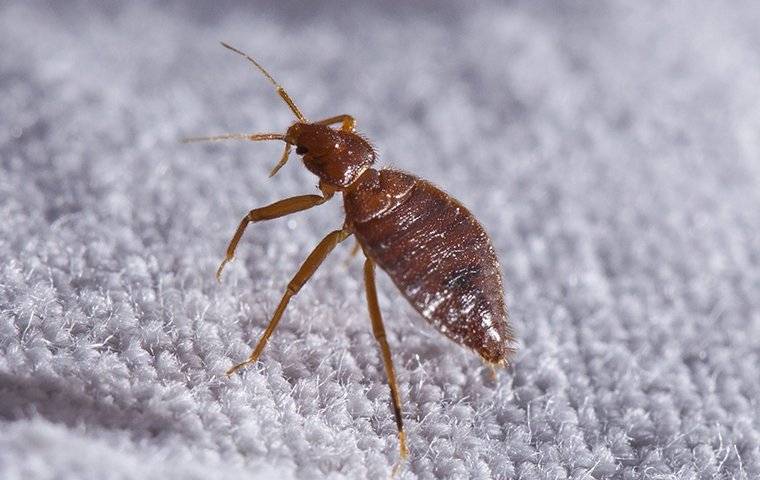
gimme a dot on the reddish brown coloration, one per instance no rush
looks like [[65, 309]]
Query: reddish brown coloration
[[335, 156], [432, 247], [437, 254]]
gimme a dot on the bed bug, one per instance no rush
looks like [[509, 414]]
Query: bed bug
[[432, 247]]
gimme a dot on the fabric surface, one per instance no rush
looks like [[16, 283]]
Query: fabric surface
[[612, 152]]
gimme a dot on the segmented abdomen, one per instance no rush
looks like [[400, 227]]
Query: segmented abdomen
[[438, 255]]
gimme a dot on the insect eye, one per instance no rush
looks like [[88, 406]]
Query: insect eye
[[300, 150]]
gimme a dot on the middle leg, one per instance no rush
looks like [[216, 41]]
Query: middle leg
[[303, 275]]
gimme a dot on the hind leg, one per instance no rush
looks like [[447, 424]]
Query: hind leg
[[379, 330]]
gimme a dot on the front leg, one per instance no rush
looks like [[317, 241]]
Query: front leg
[[275, 210], [348, 123]]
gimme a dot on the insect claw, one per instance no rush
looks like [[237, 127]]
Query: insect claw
[[221, 267], [237, 367], [403, 454]]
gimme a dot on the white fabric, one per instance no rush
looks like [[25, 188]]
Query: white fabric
[[611, 151]]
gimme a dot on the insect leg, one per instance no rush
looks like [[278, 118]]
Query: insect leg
[[313, 261], [275, 210], [355, 249], [379, 330], [348, 122]]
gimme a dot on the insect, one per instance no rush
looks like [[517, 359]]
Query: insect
[[432, 247]]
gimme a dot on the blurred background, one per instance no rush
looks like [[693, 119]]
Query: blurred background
[[612, 151]]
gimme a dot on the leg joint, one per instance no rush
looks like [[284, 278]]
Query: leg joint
[[379, 334]]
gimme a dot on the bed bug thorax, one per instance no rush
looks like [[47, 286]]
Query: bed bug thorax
[[431, 246]]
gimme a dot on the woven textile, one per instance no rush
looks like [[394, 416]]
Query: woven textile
[[612, 152]]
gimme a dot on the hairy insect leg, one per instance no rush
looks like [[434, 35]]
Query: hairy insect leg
[[310, 265], [379, 331], [348, 123], [275, 210]]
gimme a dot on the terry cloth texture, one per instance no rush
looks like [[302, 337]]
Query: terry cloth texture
[[612, 151]]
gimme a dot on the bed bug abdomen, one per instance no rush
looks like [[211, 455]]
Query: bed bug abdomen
[[437, 254]]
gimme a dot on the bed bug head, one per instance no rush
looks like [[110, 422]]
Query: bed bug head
[[337, 157]]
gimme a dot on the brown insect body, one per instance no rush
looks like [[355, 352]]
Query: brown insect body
[[436, 253], [433, 248], [430, 245]]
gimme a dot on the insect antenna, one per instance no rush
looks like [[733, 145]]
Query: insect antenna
[[280, 91], [253, 137], [258, 136]]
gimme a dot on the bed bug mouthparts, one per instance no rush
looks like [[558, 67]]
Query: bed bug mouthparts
[[431, 246]]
